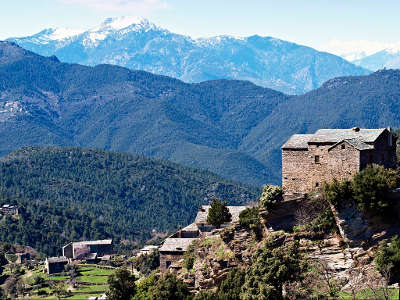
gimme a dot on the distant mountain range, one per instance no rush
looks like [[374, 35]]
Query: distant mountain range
[[387, 58], [140, 45], [233, 128]]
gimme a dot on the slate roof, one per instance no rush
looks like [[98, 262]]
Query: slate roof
[[191, 227], [202, 214], [297, 141], [99, 242], [91, 256], [57, 259], [338, 135], [356, 143], [176, 244]]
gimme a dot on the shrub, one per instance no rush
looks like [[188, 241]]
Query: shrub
[[250, 218], [146, 263], [121, 285], [231, 287], [338, 193], [170, 287], [189, 257], [388, 258], [272, 267], [207, 295], [368, 189], [218, 213], [270, 196], [371, 186], [324, 223], [143, 287]]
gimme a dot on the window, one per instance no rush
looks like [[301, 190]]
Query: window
[[316, 159], [343, 146], [317, 184], [167, 264]]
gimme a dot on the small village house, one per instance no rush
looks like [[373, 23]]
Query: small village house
[[56, 264], [310, 160], [80, 250], [22, 258], [147, 250], [8, 209], [175, 246]]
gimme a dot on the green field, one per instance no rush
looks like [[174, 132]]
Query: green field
[[91, 281]]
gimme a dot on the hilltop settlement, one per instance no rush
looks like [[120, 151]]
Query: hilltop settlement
[[329, 232]]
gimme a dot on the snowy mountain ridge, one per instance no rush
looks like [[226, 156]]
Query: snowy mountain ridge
[[137, 43]]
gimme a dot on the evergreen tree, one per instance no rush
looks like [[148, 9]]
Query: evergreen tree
[[371, 187], [271, 268], [121, 285], [218, 213], [170, 287]]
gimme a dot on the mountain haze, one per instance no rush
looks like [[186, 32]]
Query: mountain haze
[[387, 58], [141, 45], [233, 128], [44, 102]]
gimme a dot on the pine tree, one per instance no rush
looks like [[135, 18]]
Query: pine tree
[[218, 213]]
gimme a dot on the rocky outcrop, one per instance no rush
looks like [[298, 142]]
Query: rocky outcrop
[[216, 254]]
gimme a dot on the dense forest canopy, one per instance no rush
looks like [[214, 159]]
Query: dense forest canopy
[[67, 194]]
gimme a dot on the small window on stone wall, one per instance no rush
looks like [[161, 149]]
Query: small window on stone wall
[[167, 264], [316, 159], [317, 184], [343, 146]]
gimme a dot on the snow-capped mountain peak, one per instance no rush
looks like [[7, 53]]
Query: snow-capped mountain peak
[[63, 33], [119, 23], [138, 44]]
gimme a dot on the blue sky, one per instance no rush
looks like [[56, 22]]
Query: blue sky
[[310, 22]]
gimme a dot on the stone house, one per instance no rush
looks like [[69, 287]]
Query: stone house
[[175, 246], [80, 250], [172, 251], [22, 258], [56, 264], [310, 160], [147, 250], [8, 209]]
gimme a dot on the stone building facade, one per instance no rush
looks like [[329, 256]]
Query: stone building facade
[[310, 160], [175, 246], [56, 264], [80, 250]]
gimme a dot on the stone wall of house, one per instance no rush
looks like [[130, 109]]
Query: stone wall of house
[[295, 169], [385, 151], [169, 258], [318, 174], [68, 251], [343, 162], [304, 170], [101, 249]]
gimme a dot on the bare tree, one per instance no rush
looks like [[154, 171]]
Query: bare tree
[[356, 278], [378, 283], [327, 276]]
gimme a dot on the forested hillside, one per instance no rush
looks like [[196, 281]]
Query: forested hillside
[[371, 101], [232, 128], [67, 194], [45, 102]]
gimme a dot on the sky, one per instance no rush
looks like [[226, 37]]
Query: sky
[[343, 25]]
